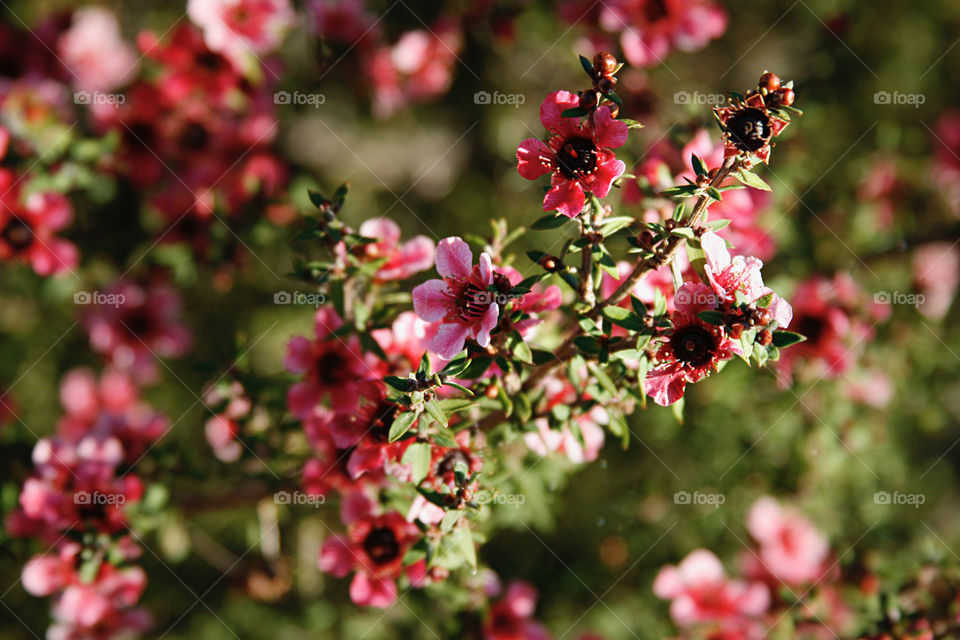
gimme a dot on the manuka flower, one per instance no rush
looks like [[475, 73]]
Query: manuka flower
[[749, 126], [792, 549], [692, 350], [373, 547], [28, 224], [577, 154], [460, 303]]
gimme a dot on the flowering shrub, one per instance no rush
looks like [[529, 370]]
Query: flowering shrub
[[285, 345]]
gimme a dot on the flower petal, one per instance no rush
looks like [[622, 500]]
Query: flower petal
[[566, 197], [448, 341], [431, 300], [553, 105], [454, 258], [532, 157], [608, 132]]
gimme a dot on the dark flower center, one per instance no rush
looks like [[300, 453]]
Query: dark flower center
[[139, 321], [577, 158], [811, 326], [17, 234], [381, 545], [694, 345], [194, 137], [655, 10], [449, 462], [329, 367], [749, 129], [472, 301]]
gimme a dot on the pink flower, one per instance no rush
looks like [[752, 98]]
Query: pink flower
[[460, 303], [242, 29], [827, 312], [333, 367], [577, 154], [108, 408], [401, 260], [28, 224], [344, 21], [134, 325], [511, 618], [417, 68], [700, 592], [936, 269], [738, 279], [791, 548], [546, 440], [373, 548], [406, 340], [94, 51], [691, 351], [650, 28]]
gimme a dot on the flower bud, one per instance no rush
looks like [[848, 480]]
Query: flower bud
[[605, 63], [787, 97], [769, 81], [606, 84], [589, 99], [765, 337], [550, 263]]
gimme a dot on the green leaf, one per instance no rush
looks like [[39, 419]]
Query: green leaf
[[603, 379], [786, 338], [478, 366], [418, 456], [713, 193], [587, 65], [711, 316], [624, 318], [433, 408], [574, 112], [550, 221], [458, 386], [638, 306], [464, 542], [424, 368], [751, 179], [698, 166], [400, 384], [318, 200], [679, 190], [611, 225], [631, 124], [587, 344], [612, 97], [401, 424], [456, 366], [450, 518]]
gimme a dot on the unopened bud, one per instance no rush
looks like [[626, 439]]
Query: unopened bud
[[550, 263], [605, 63], [765, 337]]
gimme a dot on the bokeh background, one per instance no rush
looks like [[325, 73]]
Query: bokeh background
[[858, 187]]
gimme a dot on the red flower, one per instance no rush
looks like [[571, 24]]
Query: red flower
[[692, 349], [577, 154], [373, 548], [27, 227], [332, 366], [133, 325]]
